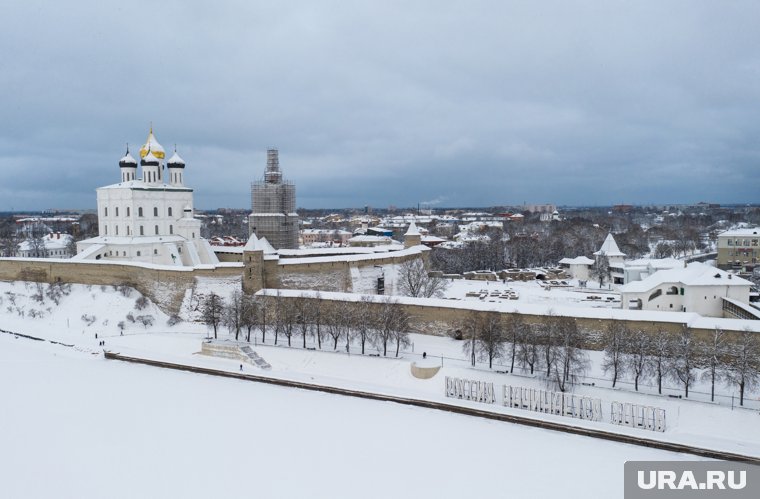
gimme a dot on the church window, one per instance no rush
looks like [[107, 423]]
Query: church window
[[142, 230], [139, 211], [138, 253], [105, 214], [155, 251], [170, 211], [156, 229], [155, 211], [105, 228], [117, 211], [127, 210], [128, 230], [116, 228], [193, 235], [171, 229]]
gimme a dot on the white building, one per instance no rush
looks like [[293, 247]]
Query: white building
[[637, 270], [148, 218], [53, 245], [615, 257], [577, 267], [697, 288]]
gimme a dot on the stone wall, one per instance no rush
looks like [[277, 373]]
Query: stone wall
[[165, 286], [441, 320]]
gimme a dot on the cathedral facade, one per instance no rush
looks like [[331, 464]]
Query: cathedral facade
[[148, 215]]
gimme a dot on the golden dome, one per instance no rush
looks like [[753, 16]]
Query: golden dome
[[152, 145]]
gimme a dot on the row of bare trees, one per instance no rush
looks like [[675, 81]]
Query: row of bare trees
[[681, 357], [556, 348], [364, 323], [555, 345]]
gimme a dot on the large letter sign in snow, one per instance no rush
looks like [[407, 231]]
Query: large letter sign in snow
[[562, 404], [638, 416], [478, 391]]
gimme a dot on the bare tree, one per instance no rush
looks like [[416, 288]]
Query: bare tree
[[469, 327], [548, 341], [303, 312], [414, 280], [265, 307], [317, 316], [614, 345], [636, 358], [490, 337], [514, 327], [365, 320], [661, 350], [570, 361], [338, 321], [251, 314], [392, 319], [401, 329], [714, 353], [743, 367], [233, 313], [286, 319], [685, 358], [212, 311], [528, 350], [601, 270]]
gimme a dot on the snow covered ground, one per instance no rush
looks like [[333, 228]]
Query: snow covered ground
[[78, 426], [535, 292], [87, 424]]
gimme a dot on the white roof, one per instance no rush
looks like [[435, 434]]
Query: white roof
[[128, 159], [578, 260], [369, 239], [50, 243], [127, 240], [268, 248], [252, 244], [413, 230], [432, 239], [609, 247], [740, 232], [655, 263], [176, 158], [139, 184], [696, 274]]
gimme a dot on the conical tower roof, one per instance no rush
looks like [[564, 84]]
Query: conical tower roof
[[609, 247]]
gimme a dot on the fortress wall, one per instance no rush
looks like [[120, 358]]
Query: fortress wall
[[164, 286], [441, 320]]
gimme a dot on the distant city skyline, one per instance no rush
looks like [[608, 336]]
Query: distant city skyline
[[580, 103]]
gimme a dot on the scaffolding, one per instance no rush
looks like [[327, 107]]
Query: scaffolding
[[273, 206]]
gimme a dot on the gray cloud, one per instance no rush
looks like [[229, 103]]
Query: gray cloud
[[573, 102]]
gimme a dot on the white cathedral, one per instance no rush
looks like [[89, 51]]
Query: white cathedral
[[149, 218]]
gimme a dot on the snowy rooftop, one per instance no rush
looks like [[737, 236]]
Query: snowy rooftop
[[353, 258], [655, 263], [578, 260], [609, 247], [696, 274], [140, 185], [754, 231], [413, 230]]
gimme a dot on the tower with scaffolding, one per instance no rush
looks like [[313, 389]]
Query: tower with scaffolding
[[273, 206]]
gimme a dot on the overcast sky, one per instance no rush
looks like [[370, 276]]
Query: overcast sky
[[384, 102]]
